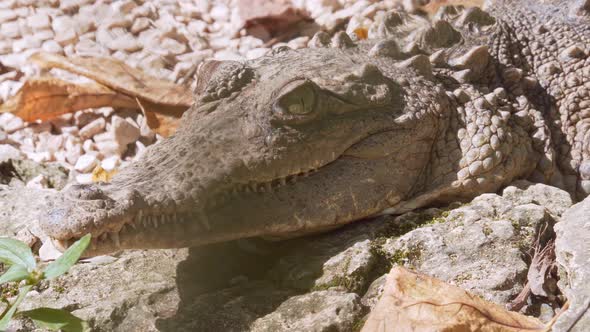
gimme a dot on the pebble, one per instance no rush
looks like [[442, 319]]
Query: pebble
[[111, 163], [164, 38], [9, 152], [38, 182], [94, 127], [86, 163], [124, 132]]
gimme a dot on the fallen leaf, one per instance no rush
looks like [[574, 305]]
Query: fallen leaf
[[163, 123], [122, 78], [99, 174], [47, 97], [414, 302], [432, 6], [268, 20], [361, 33]]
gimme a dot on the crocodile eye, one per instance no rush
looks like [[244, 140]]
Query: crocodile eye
[[298, 98]]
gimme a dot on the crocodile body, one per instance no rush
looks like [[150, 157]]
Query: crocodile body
[[426, 111]]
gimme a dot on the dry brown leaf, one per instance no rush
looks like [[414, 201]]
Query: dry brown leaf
[[414, 302], [432, 6], [163, 123], [269, 20], [361, 33], [47, 97], [122, 78]]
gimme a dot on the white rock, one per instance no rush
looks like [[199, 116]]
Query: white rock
[[5, 46], [48, 251], [38, 182], [228, 55], [140, 24], [40, 157], [70, 130], [10, 30], [10, 123], [139, 150], [109, 148], [9, 152], [104, 111], [125, 6], [43, 35], [94, 127], [73, 152], [297, 43], [49, 142], [7, 15], [86, 163], [84, 178], [25, 43], [110, 163], [220, 12], [256, 53], [88, 47], [89, 145], [124, 132], [65, 38], [51, 46], [39, 21]]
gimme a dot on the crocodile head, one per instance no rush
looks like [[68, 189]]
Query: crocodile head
[[296, 142]]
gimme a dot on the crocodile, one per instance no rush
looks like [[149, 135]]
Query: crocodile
[[426, 111]]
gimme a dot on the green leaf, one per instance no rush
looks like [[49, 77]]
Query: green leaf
[[15, 273], [14, 252], [8, 315], [56, 319], [69, 258]]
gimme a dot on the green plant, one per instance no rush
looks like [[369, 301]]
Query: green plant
[[22, 269]]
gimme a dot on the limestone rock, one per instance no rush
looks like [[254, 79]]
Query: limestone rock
[[317, 311], [573, 254]]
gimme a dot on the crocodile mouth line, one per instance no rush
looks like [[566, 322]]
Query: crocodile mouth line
[[150, 220]]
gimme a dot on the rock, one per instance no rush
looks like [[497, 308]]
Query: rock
[[124, 132], [38, 182], [48, 252], [572, 251], [25, 170], [479, 246], [140, 25], [555, 200], [10, 30], [84, 178], [10, 123], [86, 163], [9, 152], [110, 163], [317, 311], [39, 21], [94, 127]]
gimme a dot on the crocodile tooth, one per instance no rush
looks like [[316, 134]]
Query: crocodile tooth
[[102, 237], [283, 181], [132, 225], [93, 243], [115, 238], [155, 221]]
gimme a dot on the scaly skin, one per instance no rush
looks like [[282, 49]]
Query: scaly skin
[[304, 141]]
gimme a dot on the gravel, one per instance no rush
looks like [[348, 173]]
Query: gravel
[[163, 38]]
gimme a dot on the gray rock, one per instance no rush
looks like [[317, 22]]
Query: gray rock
[[573, 254], [478, 246], [317, 311], [555, 200]]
